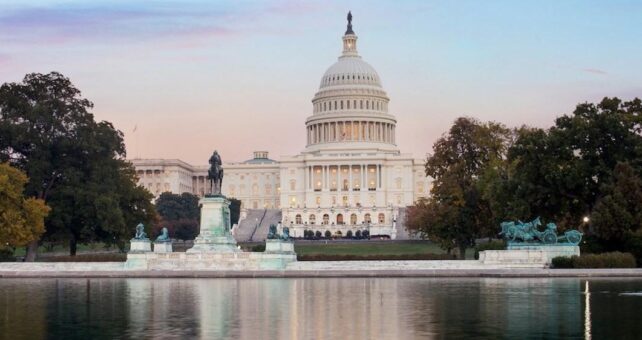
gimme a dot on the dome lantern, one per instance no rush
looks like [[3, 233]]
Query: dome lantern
[[350, 40]]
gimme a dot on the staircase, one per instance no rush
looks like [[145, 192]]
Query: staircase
[[255, 226], [402, 232]]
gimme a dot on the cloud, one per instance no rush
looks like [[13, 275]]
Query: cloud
[[594, 71], [100, 23]]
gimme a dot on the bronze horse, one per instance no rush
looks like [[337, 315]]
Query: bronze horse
[[215, 174]]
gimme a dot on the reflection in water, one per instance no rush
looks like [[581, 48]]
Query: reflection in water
[[587, 312], [384, 308]]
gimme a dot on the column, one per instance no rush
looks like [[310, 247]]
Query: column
[[349, 177], [364, 185]]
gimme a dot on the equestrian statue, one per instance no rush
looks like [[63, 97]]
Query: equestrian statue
[[215, 174]]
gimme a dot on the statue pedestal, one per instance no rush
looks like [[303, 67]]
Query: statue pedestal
[[162, 247], [528, 254], [214, 233], [140, 246], [279, 247]]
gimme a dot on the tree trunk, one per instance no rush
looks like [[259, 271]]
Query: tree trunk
[[462, 252], [32, 251], [72, 246]]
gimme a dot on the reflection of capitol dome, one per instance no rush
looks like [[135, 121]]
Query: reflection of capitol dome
[[350, 111]]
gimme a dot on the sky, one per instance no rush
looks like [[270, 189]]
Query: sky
[[182, 78]]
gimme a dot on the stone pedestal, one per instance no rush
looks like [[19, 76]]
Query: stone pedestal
[[279, 247], [140, 246], [528, 255], [214, 233], [162, 247]]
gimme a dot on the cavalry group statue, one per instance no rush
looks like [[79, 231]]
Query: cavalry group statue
[[529, 233], [215, 174]]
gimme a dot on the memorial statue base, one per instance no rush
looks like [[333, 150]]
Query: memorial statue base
[[140, 246], [279, 247], [162, 247], [214, 233], [528, 254]]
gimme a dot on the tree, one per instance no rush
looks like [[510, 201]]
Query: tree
[[235, 210], [180, 214], [618, 213], [457, 214], [75, 164], [559, 173], [21, 219]]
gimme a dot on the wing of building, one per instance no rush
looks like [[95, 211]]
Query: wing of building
[[351, 175]]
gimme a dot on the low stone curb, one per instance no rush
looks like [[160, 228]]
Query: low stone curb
[[501, 273]]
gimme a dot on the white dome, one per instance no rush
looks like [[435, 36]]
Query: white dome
[[350, 70]]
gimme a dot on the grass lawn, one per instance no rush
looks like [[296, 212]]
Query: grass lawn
[[372, 248]]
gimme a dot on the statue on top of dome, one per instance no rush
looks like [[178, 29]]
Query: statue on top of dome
[[349, 30]]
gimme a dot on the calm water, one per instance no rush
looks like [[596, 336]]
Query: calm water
[[378, 308]]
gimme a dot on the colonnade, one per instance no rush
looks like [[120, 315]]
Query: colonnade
[[352, 177], [351, 131]]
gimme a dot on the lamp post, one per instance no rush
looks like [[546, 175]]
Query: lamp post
[[585, 222]]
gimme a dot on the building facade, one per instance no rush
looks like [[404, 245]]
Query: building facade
[[350, 176]]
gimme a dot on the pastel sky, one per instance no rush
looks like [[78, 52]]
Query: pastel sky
[[239, 76]]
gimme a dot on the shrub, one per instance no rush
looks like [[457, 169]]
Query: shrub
[[6, 255], [374, 257], [562, 262], [258, 248], [317, 234], [603, 260], [492, 245], [349, 234], [328, 234], [357, 234], [365, 234]]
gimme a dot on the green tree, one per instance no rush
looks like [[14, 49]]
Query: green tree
[[559, 173], [457, 214], [180, 214], [75, 164], [21, 219], [618, 213]]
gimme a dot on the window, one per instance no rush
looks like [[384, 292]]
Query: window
[[353, 219], [297, 219], [398, 182], [312, 219], [292, 184], [339, 219], [366, 218], [318, 200], [420, 186], [345, 201], [345, 185], [268, 189], [382, 218], [255, 189], [326, 219]]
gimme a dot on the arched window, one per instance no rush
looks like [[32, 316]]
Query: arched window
[[342, 105], [367, 105], [348, 103], [312, 219], [382, 218], [339, 219], [366, 218], [326, 219], [353, 219], [361, 104], [297, 219], [324, 107], [335, 104]]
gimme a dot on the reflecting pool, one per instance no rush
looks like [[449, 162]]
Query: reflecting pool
[[332, 308]]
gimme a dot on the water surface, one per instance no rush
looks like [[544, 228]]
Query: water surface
[[332, 308]]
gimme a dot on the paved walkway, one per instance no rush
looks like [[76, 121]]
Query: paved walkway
[[310, 269]]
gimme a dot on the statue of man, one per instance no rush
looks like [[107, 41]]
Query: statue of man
[[215, 173]]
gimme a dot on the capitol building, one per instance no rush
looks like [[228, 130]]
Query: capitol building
[[349, 176]]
